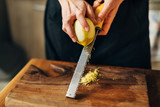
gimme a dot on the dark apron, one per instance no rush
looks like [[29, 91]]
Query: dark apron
[[126, 44]]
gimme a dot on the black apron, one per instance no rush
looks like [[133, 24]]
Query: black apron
[[126, 44]]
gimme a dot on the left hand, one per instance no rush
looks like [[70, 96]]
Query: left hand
[[72, 10], [107, 14]]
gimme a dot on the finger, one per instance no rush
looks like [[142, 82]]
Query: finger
[[81, 18], [96, 3], [107, 22], [71, 33], [105, 11], [90, 13], [64, 29]]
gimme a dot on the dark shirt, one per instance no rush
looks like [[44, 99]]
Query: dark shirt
[[126, 44]]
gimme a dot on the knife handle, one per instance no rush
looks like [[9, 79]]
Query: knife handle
[[97, 11]]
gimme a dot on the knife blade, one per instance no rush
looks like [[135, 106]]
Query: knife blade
[[86, 51]]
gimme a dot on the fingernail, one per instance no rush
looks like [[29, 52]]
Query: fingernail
[[99, 20], [86, 29], [96, 2], [74, 40]]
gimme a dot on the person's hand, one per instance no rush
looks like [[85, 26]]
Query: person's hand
[[72, 10], [107, 14]]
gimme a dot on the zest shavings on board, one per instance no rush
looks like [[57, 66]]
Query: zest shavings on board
[[90, 77]]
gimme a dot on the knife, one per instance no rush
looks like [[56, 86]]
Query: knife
[[86, 51]]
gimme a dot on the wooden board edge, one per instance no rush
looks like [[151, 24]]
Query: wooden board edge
[[13, 82]]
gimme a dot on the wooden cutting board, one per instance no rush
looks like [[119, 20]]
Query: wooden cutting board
[[120, 87]]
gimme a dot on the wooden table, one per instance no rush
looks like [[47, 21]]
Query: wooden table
[[152, 77]]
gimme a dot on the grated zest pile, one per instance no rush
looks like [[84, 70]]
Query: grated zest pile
[[90, 77]]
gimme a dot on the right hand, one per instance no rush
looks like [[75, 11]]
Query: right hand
[[75, 9], [107, 14]]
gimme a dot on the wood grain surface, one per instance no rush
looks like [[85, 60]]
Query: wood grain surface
[[45, 85]]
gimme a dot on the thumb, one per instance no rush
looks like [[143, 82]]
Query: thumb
[[96, 3], [105, 11]]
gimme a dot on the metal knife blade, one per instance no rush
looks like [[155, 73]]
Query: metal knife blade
[[73, 87]]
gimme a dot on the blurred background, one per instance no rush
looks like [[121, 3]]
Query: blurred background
[[22, 35]]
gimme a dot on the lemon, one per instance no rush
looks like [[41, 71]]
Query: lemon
[[84, 37]]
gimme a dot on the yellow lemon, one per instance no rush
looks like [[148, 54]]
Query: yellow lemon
[[84, 37]]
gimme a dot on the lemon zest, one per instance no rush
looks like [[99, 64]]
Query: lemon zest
[[91, 76]]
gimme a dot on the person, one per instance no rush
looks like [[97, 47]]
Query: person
[[123, 40]]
